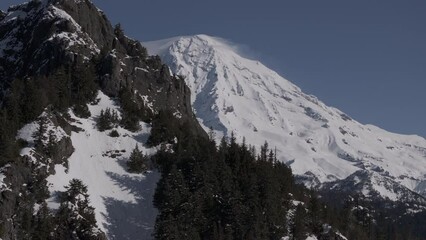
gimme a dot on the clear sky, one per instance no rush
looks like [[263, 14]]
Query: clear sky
[[367, 58]]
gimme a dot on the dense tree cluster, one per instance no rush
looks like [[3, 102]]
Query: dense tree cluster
[[25, 100], [67, 86], [378, 221], [165, 128], [75, 217], [132, 113], [107, 120], [232, 193], [45, 141]]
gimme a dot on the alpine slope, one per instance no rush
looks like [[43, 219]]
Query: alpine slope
[[323, 145]]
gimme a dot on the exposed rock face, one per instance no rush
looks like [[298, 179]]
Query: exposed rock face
[[38, 37], [41, 36], [64, 147], [92, 21], [26, 180]]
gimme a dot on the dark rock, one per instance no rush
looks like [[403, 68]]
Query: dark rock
[[93, 21], [38, 44], [2, 15], [17, 175]]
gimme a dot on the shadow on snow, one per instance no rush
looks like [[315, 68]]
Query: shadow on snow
[[127, 220]]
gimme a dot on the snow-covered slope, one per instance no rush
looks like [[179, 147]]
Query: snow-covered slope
[[320, 143], [122, 201]]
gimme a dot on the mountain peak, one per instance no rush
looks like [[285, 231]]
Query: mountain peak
[[216, 57], [36, 36], [200, 40], [322, 144]]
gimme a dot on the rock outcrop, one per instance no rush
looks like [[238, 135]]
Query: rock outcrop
[[40, 37]]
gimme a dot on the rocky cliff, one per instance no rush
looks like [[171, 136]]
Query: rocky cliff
[[40, 38]]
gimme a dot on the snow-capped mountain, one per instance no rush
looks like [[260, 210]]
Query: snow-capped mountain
[[321, 144], [77, 95]]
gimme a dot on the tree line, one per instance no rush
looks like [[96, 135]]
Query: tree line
[[232, 192]]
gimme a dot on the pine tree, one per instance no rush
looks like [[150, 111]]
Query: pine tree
[[264, 152], [212, 135], [137, 162], [107, 119], [13, 104], [34, 101], [131, 112], [39, 135], [44, 223], [8, 148], [173, 196], [103, 121], [61, 80], [299, 229], [165, 128], [51, 146], [75, 217], [315, 214], [271, 157], [84, 83]]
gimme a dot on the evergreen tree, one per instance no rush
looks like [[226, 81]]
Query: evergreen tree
[[34, 101], [165, 128], [13, 104], [299, 228], [44, 223], [84, 83], [51, 147], [107, 120], [8, 148], [227, 193], [271, 156], [103, 122], [131, 113], [137, 162], [264, 152], [75, 217], [62, 88], [40, 134], [171, 199], [212, 135], [315, 213]]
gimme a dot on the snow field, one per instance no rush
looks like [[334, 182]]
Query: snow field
[[122, 201], [233, 93]]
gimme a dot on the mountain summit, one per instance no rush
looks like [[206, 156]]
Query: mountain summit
[[323, 145], [99, 140]]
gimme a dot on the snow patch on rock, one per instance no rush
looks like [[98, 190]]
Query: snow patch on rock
[[122, 201]]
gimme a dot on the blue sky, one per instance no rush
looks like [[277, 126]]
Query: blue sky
[[367, 58]]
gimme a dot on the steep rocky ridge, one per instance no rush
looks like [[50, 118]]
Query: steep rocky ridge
[[38, 39]]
